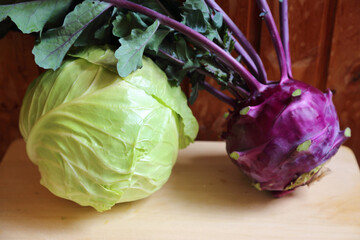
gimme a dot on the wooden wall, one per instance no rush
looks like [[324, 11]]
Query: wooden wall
[[17, 70], [325, 51]]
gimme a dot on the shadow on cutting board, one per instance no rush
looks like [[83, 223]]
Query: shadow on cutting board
[[202, 184], [215, 183]]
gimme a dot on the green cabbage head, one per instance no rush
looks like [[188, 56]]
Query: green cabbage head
[[99, 139]]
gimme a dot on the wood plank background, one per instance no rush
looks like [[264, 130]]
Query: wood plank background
[[325, 51]]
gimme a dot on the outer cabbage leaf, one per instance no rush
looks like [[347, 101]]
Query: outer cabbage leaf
[[99, 139], [155, 84]]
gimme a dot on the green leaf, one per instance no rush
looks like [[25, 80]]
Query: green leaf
[[132, 48], [212, 68], [196, 80], [32, 16], [55, 43], [98, 32], [186, 54], [124, 23], [212, 33], [175, 74], [195, 20], [228, 42], [194, 93], [198, 4], [182, 50], [157, 39], [217, 20], [196, 15], [103, 32], [239, 58]]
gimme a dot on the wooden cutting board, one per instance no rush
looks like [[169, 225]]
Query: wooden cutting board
[[206, 197]]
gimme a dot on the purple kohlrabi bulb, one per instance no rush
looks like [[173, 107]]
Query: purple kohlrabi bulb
[[282, 136]]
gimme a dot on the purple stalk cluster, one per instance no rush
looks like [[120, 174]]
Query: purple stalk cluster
[[280, 133]]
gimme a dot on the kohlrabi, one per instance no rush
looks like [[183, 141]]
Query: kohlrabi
[[99, 139]]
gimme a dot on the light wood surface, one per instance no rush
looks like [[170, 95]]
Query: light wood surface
[[206, 197]]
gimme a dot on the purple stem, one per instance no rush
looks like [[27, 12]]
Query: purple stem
[[253, 84], [284, 30], [174, 59], [219, 94], [242, 92], [236, 91], [270, 23], [246, 58], [242, 39]]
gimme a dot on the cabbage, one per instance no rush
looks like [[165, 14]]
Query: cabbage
[[99, 139]]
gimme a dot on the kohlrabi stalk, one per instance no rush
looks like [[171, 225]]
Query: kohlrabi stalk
[[284, 30], [270, 23], [245, 57], [242, 40], [219, 94]]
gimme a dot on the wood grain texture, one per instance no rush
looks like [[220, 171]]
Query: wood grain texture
[[308, 28], [206, 198], [344, 69], [17, 70]]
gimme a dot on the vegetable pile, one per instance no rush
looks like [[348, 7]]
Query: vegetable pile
[[105, 97]]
